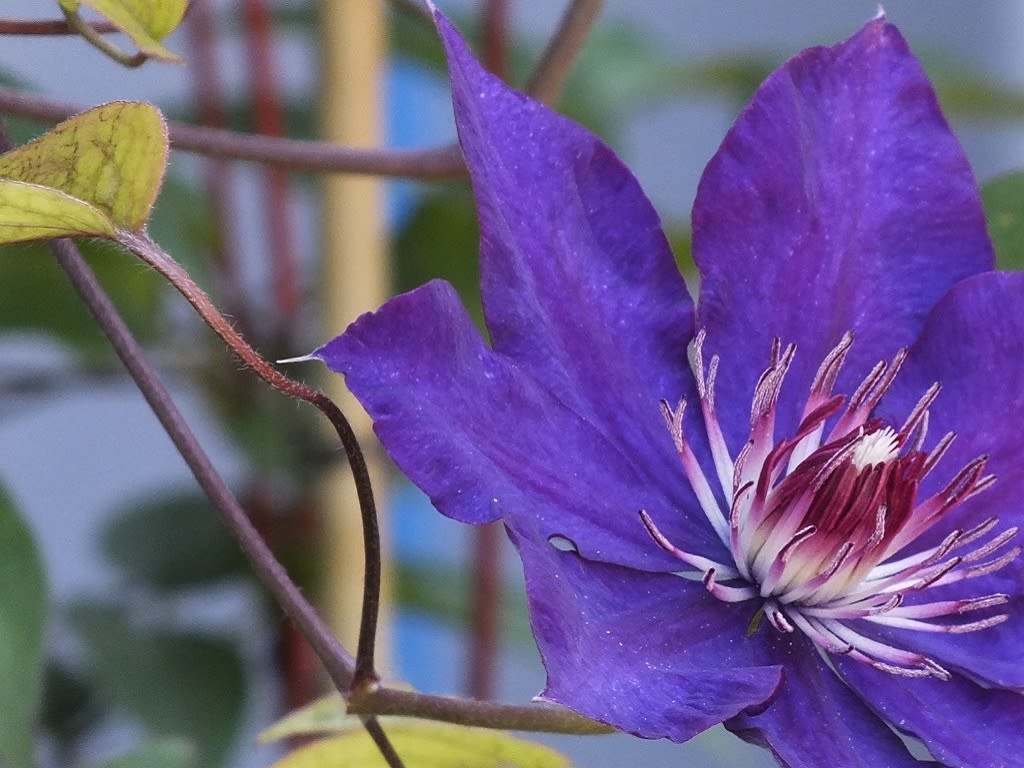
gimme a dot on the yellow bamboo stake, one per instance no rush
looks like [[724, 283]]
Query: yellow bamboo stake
[[355, 279]]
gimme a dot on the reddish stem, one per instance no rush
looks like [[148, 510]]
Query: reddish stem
[[270, 122], [485, 596], [209, 97], [49, 27]]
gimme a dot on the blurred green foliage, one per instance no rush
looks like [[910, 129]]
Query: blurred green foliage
[[23, 609]]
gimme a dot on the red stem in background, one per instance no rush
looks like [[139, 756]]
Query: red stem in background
[[485, 597], [49, 27], [217, 173], [270, 122]]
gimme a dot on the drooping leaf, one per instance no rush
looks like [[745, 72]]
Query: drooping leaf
[[144, 21], [171, 542], [34, 212], [176, 683], [163, 753], [110, 159], [1003, 199], [23, 598], [426, 745]]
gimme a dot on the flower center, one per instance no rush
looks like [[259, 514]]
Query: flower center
[[818, 525]]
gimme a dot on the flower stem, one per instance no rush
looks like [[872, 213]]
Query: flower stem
[[539, 718], [155, 257]]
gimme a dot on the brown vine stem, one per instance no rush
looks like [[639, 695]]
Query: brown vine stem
[[337, 661], [155, 257], [364, 699], [86, 30], [323, 157], [539, 718], [557, 59], [50, 27], [297, 155]]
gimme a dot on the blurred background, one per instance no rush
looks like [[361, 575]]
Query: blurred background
[[156, 627]]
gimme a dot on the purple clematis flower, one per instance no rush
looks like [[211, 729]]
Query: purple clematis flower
[[791, 510]]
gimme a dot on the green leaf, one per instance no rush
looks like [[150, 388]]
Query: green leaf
[[70, 705], [440, 240], [35, 295], [164, 753], [173, 541], [23, 604], [1003, 199], [176, 683], [426, 745], [110, 159], [443, 593], [144, 21]]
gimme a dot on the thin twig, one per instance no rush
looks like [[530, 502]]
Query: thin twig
[[485, 587], [324, 157], [557, 59], [208, 92], [315, 156], [85, 29], [338, 662], [47, 27], [155, 257], [269, 120], [539, 718]]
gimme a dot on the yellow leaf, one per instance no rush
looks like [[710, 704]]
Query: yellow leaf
[[146, 22], [325, 715], [426, 745], [111, 157], [33, 212]]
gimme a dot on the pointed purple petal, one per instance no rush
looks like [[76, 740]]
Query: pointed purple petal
[[579, 285], [817, 722], [961, 723], [484, 440], [651, 654], [840, 200], [973, 343]]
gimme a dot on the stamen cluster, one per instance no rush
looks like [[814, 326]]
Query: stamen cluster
[[821, 526]]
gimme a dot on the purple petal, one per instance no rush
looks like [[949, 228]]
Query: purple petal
[[651, 654], [973, 343], [579, 285], [961, 723], [484, 440], [816, 722], [840, 200]]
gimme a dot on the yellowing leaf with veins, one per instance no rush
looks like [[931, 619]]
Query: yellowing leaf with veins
[[33, 212], [111, 157], [426, 745], [146, 22]]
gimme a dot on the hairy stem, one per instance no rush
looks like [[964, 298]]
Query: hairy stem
[[155, 257]]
